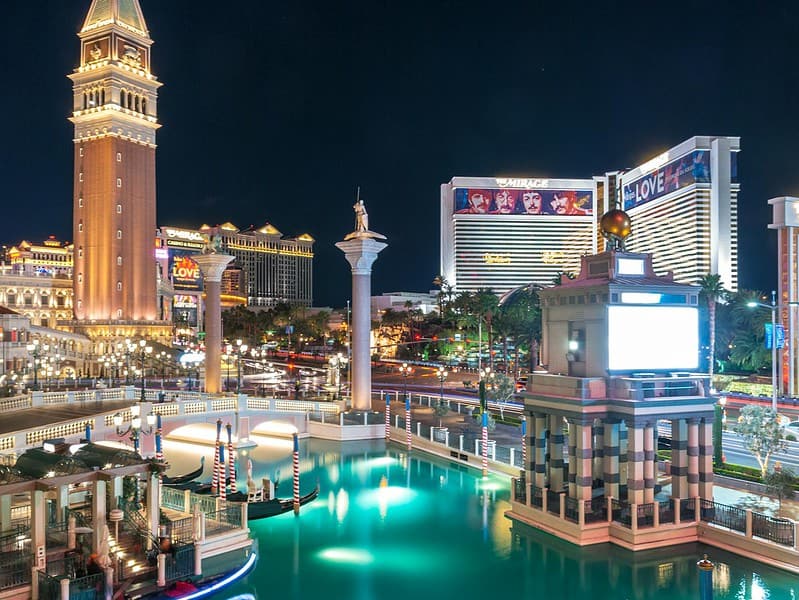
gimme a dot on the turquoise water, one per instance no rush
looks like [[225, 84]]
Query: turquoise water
[[390, 526]]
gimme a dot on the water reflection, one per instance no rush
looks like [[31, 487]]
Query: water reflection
[[390, 525]]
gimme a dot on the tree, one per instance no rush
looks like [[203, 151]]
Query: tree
[[762, 434], [440, 410], [780, 483], [713, 291]]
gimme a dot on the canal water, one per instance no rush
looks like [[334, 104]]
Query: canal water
[[392, 526]]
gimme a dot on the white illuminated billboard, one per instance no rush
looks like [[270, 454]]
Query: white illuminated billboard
[[653, 338]]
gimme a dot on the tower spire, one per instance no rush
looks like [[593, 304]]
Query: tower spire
[[124, 13]]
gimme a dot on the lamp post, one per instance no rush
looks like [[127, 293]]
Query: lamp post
[[135, 428], [129, 347], [239, 349], [162, 355], [442, 376], [34, 350], [773, 308], [406, 370], [144, 350], [228, 350]]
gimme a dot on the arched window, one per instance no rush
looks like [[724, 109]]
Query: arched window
[[136, 104], [144, 105], [102, 96], [85, 101], [122, 95]]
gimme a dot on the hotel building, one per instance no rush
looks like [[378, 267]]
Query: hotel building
[[683, 205], [501, 233]]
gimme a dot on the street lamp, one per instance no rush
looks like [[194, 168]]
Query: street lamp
[[442, 375], [239, 349], [406, 371], [135, 428], [773, 308], [162, 355], [34, 350], [144, 350], [228, 350]]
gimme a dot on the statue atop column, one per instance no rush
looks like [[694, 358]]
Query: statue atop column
[[362, 223]]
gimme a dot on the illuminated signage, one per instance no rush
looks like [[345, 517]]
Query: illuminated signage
[[186, 274], [161, 253], [528, 201], [522, 183], [183, 234], [496, 259], [687, 170], [184, 301]]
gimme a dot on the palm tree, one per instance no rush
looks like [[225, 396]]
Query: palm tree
[[713, 291]]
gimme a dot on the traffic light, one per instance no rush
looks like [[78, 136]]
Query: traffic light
[[417, 337]]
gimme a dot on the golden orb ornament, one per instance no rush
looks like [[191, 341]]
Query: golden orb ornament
[[616, 226]]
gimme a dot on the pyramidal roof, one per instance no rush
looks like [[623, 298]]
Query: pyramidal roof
[[126, 13]]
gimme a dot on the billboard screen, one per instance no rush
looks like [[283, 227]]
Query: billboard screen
[[653, 338], [689, 169], [184, 272], [523, 202], [184, 310]]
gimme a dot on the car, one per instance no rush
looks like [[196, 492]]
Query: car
[[792, 428]]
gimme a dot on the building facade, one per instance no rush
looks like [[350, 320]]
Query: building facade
[[501, 233], [684, 204], [115, 120], [786, 222], [276, 269]]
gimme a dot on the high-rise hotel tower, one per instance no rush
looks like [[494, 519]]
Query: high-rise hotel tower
[[114, 223]]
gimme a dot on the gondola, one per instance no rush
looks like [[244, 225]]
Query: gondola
[[181, 479], [260, 509]]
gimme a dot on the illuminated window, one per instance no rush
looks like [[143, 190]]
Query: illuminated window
[[119, 234], [119, 286], [119, 260], [80, 277], [119, 157], [80, 252], [80, 303], [119, 313], [80, 202], [80, 176], [119, 209], [119, 182], [80, 150], [80, 226]]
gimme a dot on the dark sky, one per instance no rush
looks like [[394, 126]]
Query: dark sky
[[275, 111]]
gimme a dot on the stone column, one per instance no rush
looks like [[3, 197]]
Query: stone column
[[649, 463], [693, 458], [623, 449], [212, 266], [572, 458], [540, 450], [556, 452], [38, 527], [611, 458], [635, 463], [99, 511], [679, 458], [361, 252], [584, 476], [599, 451], [706, 458]]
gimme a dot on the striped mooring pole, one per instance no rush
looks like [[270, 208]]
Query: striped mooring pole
[[296, 466], [485, 443], [408, 421], [231, 459], [222, 474], [87, 432], [215, 474], [705, 579], [388, 416], [524, 444]]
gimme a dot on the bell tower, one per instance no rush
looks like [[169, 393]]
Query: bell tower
[[114, 219]]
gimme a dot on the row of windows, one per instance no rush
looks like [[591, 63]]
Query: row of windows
[[119, 310], [80, 178], [13, 299], [80, 230], [93, 98], [132, 101]]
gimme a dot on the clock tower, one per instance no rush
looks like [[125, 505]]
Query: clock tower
[[114, 222]]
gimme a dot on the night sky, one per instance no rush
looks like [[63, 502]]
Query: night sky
[[276, 111]]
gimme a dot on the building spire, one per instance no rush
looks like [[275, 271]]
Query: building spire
[[125, 13]]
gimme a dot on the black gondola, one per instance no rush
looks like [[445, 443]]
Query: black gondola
[[181, 479]]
